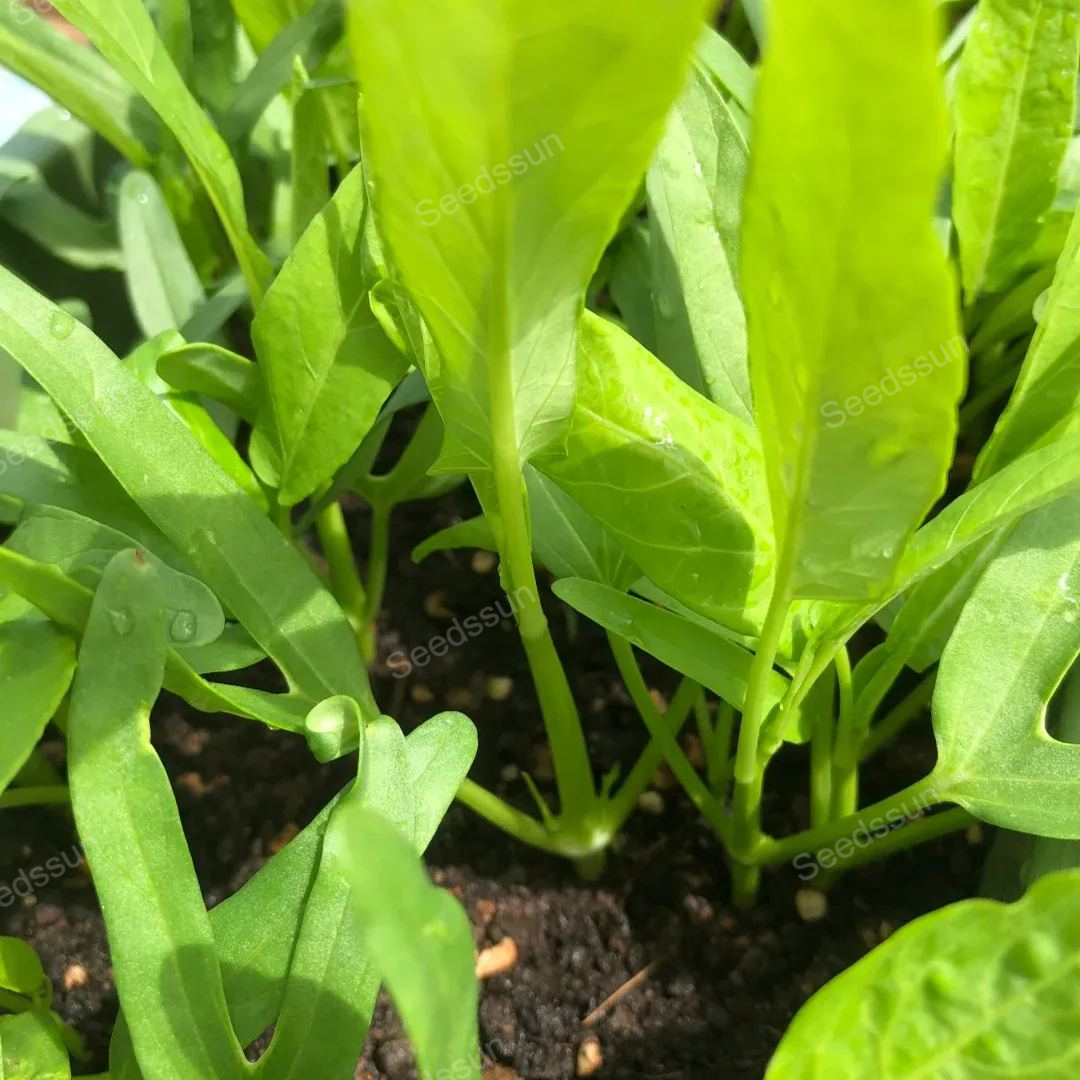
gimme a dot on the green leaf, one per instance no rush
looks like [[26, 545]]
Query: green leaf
[[163, 284], [57, 226], [1043, 404], [31, 1048], [973, 991], [569, 541], [167, 971], [1014, 643], [328, 365], [83, 548], [309, 37], [725, 64], [256, 929], [77, 79], [417, 937], [256, 573], [679, 482], [216, 373], [1037, 479], [124, 33], [310, 178], [855, 386], [439, 754], [36, 666], [497, 233], [67, 603], [695, 188], [706, 657], [472, 533], [1014, 108], [21, 973]]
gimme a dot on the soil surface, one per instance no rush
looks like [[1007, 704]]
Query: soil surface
[[701, 990]]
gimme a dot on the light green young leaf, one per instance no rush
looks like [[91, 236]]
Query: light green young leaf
[[973, 991], [726, 65], [1037, 479], [327, 364], [215, 373], [167, 971], [498, 189], [309, 37], [77, 79], [1014, 108], [21, 972], [1043, 406], [695, 188], [676, 480], [569, 542], [124, 33], [1014, 643], [163, 285], [855, 386], [472, 533], [417, 938], [36, 666], [31, 1048]]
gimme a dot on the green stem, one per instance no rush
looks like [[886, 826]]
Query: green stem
[[922, 829], [821, 747], [378, 561], [570, 755], [56, 795], [678, 762], [749, 771], [883, 732], [719, 751], [507, 818], [912, 799], [622, 804], [845, 773], [345, 581]]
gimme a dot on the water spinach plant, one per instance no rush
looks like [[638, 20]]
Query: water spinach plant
[[771, 368]]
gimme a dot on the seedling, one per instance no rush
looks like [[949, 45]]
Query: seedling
[[717, 346]]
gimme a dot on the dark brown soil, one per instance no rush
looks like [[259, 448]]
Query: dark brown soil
[[719, 987]]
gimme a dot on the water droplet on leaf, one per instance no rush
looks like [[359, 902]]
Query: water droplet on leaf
[[61, 325], [122, 621], [183, 628]]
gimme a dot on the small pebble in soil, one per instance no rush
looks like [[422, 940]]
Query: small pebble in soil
[[651, 802], [483, 562], [509, 773], [75, 977], [500, 1072], [422, 694], [590, 1059], [497, 959], [811, 905], [499, 687], [435, 605]]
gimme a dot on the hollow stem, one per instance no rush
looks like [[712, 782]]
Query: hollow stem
[[919, 796], [378, 562], [749, 771], [845, 771], [345, 581], [821, 773]]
